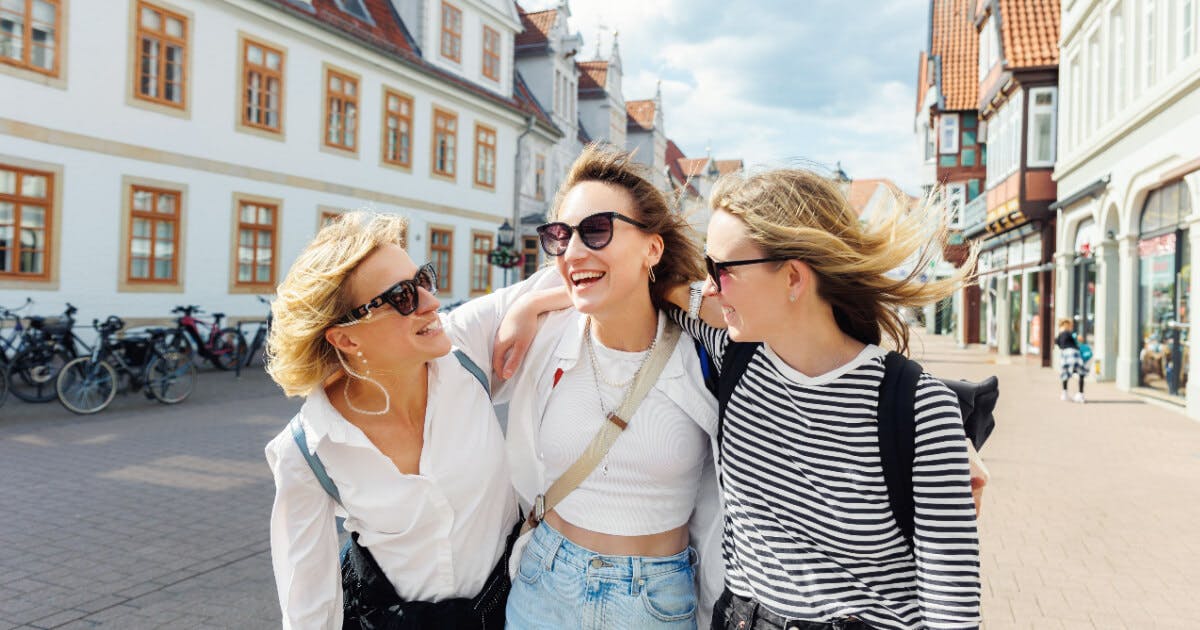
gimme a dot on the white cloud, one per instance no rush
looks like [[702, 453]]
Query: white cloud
[[773, 82]]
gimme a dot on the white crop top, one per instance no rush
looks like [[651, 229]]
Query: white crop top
[[647, 483]]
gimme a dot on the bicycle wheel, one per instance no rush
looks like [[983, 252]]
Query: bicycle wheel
[[228, 348], [170, 378], [33, 371], [85, 386]]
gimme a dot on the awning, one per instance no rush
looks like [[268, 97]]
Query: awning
[[1091, 190]]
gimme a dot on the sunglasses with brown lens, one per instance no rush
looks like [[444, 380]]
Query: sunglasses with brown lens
[[402, 296], [595, 231]]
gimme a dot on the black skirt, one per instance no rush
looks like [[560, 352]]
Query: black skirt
[[370, 602]]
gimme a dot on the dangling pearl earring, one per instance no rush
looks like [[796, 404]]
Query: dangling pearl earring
[[387, 399]]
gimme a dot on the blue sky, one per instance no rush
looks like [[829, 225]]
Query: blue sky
[[774, 82]]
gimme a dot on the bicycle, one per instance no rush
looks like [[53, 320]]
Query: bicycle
[[259, 343], [45, 346], [219, 346], [88, 384]]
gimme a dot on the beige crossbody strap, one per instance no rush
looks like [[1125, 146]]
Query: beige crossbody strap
[[617, 422]]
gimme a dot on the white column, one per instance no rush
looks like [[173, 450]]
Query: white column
[[931, 318], [1193, 390], [1104, 346], [1064, 301], [1002, 311], [1128, 336]]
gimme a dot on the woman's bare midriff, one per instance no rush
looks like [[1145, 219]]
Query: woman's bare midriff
[[659, 545]]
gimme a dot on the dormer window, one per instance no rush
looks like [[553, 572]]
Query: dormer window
[[355, 8], [451, 32]]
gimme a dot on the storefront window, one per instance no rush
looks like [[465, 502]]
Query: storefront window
[[1163, 291], [1014, 314], [1083, 285]]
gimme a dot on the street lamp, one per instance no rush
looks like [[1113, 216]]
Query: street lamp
[[504, 234], [504, 256]]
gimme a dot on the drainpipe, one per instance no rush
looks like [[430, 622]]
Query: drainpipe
[[516, 211]]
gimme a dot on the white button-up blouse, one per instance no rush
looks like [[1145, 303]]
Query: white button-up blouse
[[436, 535]]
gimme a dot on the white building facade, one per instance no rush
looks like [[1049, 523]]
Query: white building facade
[[162, 153], [1128, 173]]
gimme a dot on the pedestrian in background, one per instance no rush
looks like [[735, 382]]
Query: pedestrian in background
[[1071, 358]]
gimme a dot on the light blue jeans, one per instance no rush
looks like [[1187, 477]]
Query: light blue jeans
[[561, 585]]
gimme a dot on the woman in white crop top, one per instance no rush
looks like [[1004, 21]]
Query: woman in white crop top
[[621, 549]]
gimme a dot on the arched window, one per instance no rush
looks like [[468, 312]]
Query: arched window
[[1165, 208]]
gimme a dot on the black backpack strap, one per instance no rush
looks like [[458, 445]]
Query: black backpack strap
[[733, 365], [897, 436]]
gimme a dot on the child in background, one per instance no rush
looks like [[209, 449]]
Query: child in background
[[1072, 360]]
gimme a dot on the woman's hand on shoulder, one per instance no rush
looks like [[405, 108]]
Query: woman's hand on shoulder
[[520, 324]]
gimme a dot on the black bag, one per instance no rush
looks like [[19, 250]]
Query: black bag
[[369, 601], [897, 421]]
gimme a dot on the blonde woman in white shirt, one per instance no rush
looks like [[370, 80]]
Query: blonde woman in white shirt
[[397, 435], [620, 551]]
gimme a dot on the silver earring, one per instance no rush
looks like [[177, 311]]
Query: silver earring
[[652, 274], [387, 399], [792, 297]]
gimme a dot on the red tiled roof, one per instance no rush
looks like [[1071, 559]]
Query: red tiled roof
[[593, 76], [537, 26], [1029, 32], [861, 191], [728, 166], [956, 42], [675, 157], [387, 35], [693, 167], [640, 114]]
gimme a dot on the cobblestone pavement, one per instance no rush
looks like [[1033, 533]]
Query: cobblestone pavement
[[148, 516], [1090, 520], [142, 516]]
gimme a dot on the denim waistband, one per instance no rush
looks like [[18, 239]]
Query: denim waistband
[[555, 548]]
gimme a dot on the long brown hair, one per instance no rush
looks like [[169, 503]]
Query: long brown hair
[[796, 213], [680, 262]]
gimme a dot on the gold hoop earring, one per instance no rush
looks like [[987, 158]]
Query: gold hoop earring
[[652, 275]]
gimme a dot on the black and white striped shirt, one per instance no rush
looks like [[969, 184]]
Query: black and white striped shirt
[[808, 529]]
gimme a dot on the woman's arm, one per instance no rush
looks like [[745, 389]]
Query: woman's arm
[[304, 546], [945, 541], [520, 326], [473, 326], [710, 309], [979, 476]]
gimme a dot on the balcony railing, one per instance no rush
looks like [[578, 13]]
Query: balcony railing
[[974, 218]]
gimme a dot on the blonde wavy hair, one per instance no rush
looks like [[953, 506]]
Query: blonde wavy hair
[[315, 295], [680, 262], [797, 213]]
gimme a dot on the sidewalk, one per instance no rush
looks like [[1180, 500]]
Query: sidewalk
[[1091, 517]]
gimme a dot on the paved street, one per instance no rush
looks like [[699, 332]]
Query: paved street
[[148, 516], [143, 516]]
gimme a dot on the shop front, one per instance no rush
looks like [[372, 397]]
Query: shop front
[[1083, 280], [1164, 282]]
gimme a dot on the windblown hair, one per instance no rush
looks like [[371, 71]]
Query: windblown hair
[[316, 294], [796, 213], [680, 262]]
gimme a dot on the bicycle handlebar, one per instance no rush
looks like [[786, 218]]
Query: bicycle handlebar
[[187, 310]]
